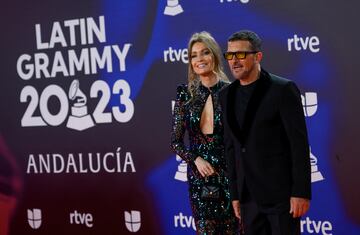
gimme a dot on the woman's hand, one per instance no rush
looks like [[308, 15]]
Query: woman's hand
[[204, 167]]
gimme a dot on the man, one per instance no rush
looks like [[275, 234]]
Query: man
[[266, 143]]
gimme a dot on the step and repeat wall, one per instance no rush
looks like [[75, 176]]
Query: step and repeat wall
[[87, 91]]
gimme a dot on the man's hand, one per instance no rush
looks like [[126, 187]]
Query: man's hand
[[204, 167], [236, 207], [299, 206]]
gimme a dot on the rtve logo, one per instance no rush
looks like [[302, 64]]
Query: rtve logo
[[133, 220], [299, 43], [310, 103], [175, 55], [184, 221], [316, 227], [81, 218], [34, 218]]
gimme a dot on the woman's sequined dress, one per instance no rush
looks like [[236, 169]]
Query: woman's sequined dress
[[210, 217]]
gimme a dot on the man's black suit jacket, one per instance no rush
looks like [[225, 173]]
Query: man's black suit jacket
[[271, 152]]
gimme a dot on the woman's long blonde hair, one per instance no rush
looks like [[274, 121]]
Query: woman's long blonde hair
[[213, 46]]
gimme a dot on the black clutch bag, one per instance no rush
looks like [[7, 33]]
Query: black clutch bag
[[211, 191]]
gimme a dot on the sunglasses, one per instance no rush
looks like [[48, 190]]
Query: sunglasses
[[238, 54]]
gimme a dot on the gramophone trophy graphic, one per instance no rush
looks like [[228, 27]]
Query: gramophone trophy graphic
[[173, 8], [182, 170], [79, 118], [315, 173]]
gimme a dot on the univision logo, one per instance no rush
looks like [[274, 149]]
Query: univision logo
[[34, 218], [133, 220], [310, 103]]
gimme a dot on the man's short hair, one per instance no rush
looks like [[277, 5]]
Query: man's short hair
[[247, 35]]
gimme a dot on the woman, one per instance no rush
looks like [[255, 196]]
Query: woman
[[197, 110]]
